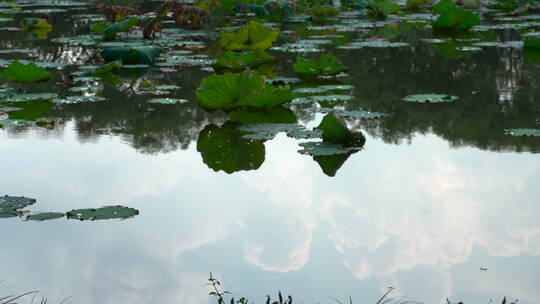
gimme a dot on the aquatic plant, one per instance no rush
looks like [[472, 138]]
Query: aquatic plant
[[110, 32], [251, 36], [115, 13], [453, 18], [35, 23], [132, 55], [183, 14], [323, 11], [103, 213], [326, 65], [335, 130], [247, 89], [25, 73], [380, 9], [238, 61]]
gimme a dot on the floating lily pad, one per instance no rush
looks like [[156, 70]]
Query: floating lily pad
[[429, 98], [15, 202], [361, 114], [77, 99], [44, 216], [15, 123], [167, 100], [325, 148], [103, 213], [522, 132], [372, 44], [304, 133], [32, 97], [134, 55]]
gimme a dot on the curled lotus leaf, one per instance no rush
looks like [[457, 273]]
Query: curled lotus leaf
[[430, 98], [132, 55], [523, 132], [103, 213], [335, 130], [45, 216]]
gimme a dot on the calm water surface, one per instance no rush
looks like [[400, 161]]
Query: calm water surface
[[438, 192]]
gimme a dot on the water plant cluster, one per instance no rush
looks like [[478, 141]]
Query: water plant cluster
[[265, 67], [14, 206]]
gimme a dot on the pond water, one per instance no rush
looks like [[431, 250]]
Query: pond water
[[440, 202]]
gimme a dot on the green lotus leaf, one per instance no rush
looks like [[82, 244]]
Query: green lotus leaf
[[229, 91], [270, 97], [456, 19], [335, 130], [14, 123], [167, 100], [251, 36], [133, 55], [325, 148], [257, 116], [443, 6], [31, 111], [103, 213], [532, 43], [32, 97], [35, 23], [110, 32], [382, 8], [238, 61], [99, 28], [430, 98], [25, 73], [15, 202], [224, 149], [327, 65], [522, 132], [44, 216]]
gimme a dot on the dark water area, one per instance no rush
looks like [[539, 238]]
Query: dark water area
[[440, 202]]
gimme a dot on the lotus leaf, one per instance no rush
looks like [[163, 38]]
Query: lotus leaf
[[167, 100], [251, 36], [325, 148], [224, 149], [429, 98], [455, 18], [32, 97], [382, 8], [239, 61], [327, 65], [35, 23], [14, 123], [44, 216], [522, 132], [133, 55], [532, 43], [247, 89], [103, 213], [258, 116], [335, 131], [110, 32], [25, 73], [15, 202]]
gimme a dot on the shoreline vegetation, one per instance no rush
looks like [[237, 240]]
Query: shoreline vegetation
[[222, 298]]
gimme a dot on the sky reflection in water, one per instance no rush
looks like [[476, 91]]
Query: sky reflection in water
[[421, 217]]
